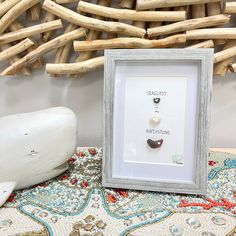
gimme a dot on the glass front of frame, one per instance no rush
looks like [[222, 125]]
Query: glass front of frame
[[154, 120]]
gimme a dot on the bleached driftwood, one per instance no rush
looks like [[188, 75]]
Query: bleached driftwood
[[126, 14], [212, 33], [159, 23], [127, 4], [232, 67], [65, 1], [16, 49], [91, 23], [204, 44], [15, 12], [188, 25], [230, 7], [16, 26], [128, 43], [222, 68], [7, 5], [75, 68], [33, 14], [150, 4], [225, 54], [115, 35], [93, 34], [62, 53], [214, 8], [27, 32], [46, 36], [198, 11], [44, 48], [25, 70]]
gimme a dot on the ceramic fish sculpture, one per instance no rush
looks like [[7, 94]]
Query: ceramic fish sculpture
[[35, 147]]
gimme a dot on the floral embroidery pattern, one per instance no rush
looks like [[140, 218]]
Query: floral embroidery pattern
[[77, 195]]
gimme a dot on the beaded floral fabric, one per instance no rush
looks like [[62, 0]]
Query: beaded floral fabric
[[76, 204]]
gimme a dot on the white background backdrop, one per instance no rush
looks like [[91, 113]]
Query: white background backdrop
[[84, 96]]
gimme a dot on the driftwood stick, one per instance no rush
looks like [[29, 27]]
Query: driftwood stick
[[221, 68], [205, 44], [230, 7], [33, 14], [126, 14], [16, 49], [232, 67], [65, 1], [93, 34], [44, 48], [40, 61], [46, 36], [225, 54], [75, 68], [150, 4], [213, 9], [212, 33], [180, 8], [113, 35], [25, 70], [139, 24], [127, 4], [16, 26], [26, 32], [128, 43], [159, 23], [15, 12], [91, 23], [198, 11], [63, 52], [188, 25], [7, 5]]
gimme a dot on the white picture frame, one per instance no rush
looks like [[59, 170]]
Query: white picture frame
[[156, 119]]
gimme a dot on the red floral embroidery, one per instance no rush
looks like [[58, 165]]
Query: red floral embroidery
[[41, 185], [212, 163], [92, 151], [111, 198], [84, 184], [211, 203], [80, 154], [73, 181], [71, 160], [64, 177], [234, 194], [11, 198], [122, 193]]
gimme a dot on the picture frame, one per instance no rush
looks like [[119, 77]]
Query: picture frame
[[171, 154]]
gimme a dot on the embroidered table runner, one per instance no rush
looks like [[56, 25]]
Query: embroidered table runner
[[76, 204]]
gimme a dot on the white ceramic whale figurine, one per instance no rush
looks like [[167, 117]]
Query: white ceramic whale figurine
[[35, 147]]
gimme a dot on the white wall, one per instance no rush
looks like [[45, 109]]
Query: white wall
[[84, 96]]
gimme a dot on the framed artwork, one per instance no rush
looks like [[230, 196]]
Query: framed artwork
[[156, 119]]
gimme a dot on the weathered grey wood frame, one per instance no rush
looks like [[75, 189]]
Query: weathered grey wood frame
[[204, 58]]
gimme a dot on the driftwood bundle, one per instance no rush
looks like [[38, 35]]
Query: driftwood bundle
[[89, 28]]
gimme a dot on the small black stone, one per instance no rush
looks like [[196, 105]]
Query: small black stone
[[156, 100]]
